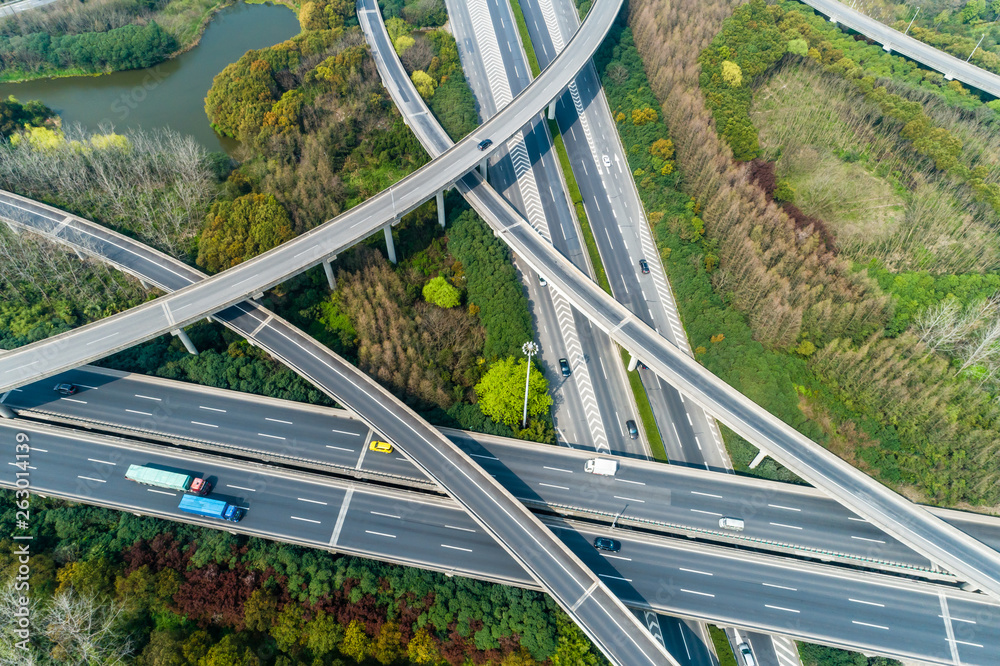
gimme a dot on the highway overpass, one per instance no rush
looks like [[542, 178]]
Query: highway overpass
[[871, 612], [897, 42]]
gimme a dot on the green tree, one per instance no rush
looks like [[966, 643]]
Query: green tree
[[228, 652], [973, 10], [388, 646], [14, 116], [439, 292], [287, 630], [238, 230], [798, 47], [501, 392], [323, 634]]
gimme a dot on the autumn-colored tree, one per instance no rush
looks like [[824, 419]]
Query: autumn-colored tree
[[423, 648], [228, 652], [260, 611], [732, 74], [643, 116], [238, 230], [240, 96], [356, 644], [424, 82], [501, 392], [662, 148], [388, 646]]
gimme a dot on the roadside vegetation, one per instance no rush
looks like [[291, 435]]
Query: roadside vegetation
[[71, 38], [833, 312], [113, 588]]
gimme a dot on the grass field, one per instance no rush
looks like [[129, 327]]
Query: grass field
[[850, 167]]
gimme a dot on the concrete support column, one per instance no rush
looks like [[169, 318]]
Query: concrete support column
[[632, 362], [179, 333], [761, 454], [552, 111], [439, 200], [390, 247], [259, 295], [145, 285], [482, 168], [330, 279], [887, 48]]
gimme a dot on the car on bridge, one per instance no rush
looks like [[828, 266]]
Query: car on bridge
[[604, 543], [644, 266], [380, 447], [66, 389], [485, 143], [564, 367]]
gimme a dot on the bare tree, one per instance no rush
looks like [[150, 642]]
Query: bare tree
[[85, 630]]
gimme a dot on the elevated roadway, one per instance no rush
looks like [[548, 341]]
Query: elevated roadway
[[914, 49], [785, 518], [871, 612], [940, 542]]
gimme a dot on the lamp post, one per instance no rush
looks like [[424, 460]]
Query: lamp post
[[530, 349], [911, 20], [617, 516], [977, 47]]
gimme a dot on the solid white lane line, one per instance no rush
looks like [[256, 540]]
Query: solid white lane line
[[461, 529], [710, 513], [953, 619], [136, 411], [867, 603], [630, 499], [88, 478], [954, 640], [262, 434], [549, 485], [703, 594], [266, 418], [874, 626], [476, 455], [347, 432], [637, 483], [94, 342], [391, 536], [82, 402], [37, 450], [786, 508], [791, 527], [161, 492], [617, 557], [695, 492], [88, 387], [627, 580], [780, 587], [341, 448], [695, 571], [212, 409], [467, 550], [867, 539], [303, 499], [860, 520], [387, 515], [103, 462], [557, 469], [148, 397], [229, 485], [782, 608], [207, 425], [306, 520]]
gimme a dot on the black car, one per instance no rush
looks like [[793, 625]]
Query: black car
[[604, 543], [485, 143], [66, 389], [633, 431], [644, 266], [564, 366]]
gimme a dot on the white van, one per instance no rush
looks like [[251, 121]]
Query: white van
[[728, 523]]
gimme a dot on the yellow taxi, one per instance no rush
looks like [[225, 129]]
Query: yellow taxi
[[380, 447]]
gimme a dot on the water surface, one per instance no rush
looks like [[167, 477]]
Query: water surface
[[171, 94]]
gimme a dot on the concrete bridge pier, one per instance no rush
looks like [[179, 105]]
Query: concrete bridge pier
[[145, 285], [328, 269], [761, 454], [482, 168], [552, 110], [439, 200], [632, 362], [390, 247], [180, 334]]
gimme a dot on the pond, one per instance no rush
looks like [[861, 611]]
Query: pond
[[171, 94]]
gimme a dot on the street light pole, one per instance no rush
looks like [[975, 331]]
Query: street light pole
[[617, 516], [911, 20], [530, 349], [977, 47]]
